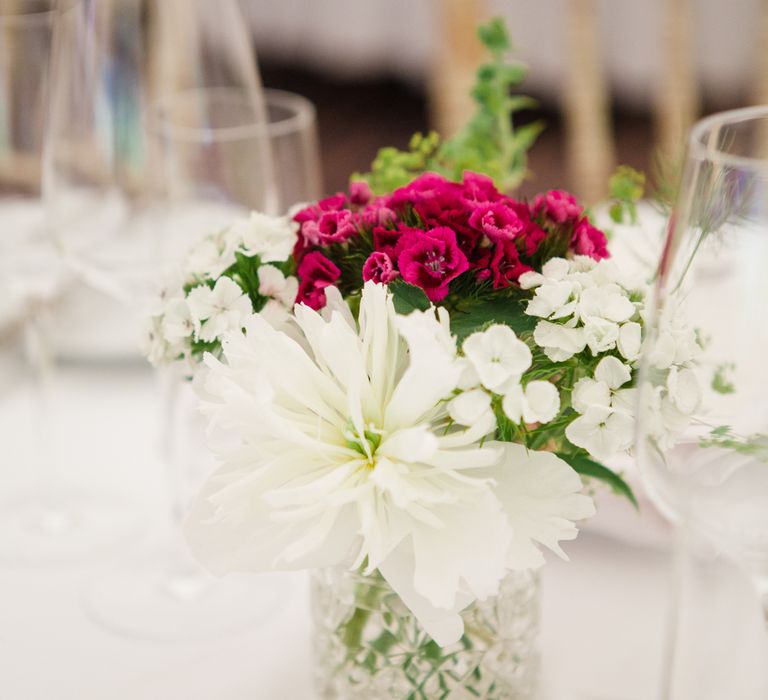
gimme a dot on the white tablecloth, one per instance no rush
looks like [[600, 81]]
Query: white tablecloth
[[603, 613]]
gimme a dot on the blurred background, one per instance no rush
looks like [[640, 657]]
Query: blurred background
[[616, 80]]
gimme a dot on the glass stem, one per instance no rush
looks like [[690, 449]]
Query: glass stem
[[678, 573], [185, 580]]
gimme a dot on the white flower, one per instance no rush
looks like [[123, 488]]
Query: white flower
[[601, 335], [152, 343], [552, 301], [471, 407], [607, 423], [560, 341], [177, 325], [553, 270], [539, 402], [497, 355], [218, 310], [676, 343], [273, 283], [629, 340], [346, 456], [272, 238], [683, 389], [594, 308], [211, 256]]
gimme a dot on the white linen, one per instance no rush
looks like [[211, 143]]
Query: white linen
[[603, 613]]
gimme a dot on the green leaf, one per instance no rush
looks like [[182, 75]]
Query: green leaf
[[493, 310], [588, 467], [494, 35], [408, 298]]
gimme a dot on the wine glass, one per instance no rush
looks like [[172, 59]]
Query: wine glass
[[703, 419], [194, 152], [56, 522]]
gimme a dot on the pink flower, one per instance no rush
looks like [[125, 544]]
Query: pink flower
[[385, 239], [330, 227], [377, 213], [532, 235], [479, 189], [588, 240], [430, 260], [558, 206], [359, 193], [314, 211], [379, 268], [505, 265], [497, 221], [316, 272], [429, 195]]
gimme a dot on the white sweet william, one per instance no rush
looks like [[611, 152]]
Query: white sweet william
[[347, 456], [274, 284], [606, 424], [497, 356], [211, 256], [538, 402], [272, 238], [582, 304], [218, 310]]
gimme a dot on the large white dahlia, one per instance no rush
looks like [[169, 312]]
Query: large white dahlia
[[346, 455]]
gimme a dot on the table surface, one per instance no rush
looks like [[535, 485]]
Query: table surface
[[604, 612]]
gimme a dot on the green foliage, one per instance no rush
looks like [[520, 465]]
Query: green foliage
[[586, 466], [393, 168], [751, 445], [407, 297], [720, 382], [627, 187], [508, 310], [487, 144]]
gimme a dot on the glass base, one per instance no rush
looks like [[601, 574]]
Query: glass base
[[164, 597], [60, 528]]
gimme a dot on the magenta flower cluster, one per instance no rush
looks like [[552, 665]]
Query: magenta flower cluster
[[433, 231]]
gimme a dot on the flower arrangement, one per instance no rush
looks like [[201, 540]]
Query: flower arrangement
[[418, 371]]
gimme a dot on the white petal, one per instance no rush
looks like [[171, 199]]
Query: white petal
[[589, 394], [601, 335], [549, 298], [593, 435], [444, 626], [531, 279], [613, 372], [629, 340], [563, 341], [513, 403], [540, 495], [556, 268], [417, 444], [542, 402], [469, 406], [684, 389], [240, 534]]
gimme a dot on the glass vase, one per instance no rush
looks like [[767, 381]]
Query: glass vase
[[368, 644]]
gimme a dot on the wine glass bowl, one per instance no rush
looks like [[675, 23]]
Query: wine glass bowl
[[706, 462]]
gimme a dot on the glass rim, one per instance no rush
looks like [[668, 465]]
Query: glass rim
[[701, 151], [18, 15], [302, 115]]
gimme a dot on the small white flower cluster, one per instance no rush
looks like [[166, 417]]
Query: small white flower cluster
[[606, 425], [582, 303], [493, 364], [212, 304], [676, 390]]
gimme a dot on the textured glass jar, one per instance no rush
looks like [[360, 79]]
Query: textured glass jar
[[367, 644]]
